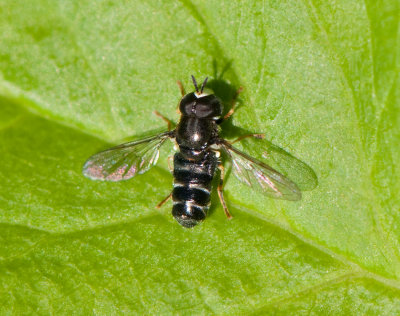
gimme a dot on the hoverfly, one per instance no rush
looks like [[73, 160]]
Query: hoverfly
[[196, 162]]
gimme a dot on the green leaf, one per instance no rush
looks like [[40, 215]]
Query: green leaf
[[321, 80]]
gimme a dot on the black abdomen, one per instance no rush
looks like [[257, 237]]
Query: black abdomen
[[192, 186]]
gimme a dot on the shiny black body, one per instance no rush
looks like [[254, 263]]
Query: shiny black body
[[192, 186], [196, 163], [197, 136]]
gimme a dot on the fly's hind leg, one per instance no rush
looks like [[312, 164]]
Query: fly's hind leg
[[220, 190], [171, 168], [164, 200]]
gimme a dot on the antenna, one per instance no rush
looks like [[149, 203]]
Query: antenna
[[203, 85], [195, 84]]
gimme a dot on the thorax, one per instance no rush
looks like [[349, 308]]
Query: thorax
[[194, 135]]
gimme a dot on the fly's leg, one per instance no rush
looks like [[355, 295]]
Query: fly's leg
[[170, 163], [181, 88], [259, 136], [220, 191], [183, 93], [169, 122], [164, 200], [234, 101], [171, 168]]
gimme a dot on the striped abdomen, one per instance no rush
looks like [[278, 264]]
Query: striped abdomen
[[192, 186]]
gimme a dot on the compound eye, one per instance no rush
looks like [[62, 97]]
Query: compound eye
[[203, 110], [187, 102], [188, 108]]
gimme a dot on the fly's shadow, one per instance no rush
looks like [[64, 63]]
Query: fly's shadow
[[276, 157]]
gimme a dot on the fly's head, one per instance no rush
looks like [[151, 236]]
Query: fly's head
[[200, 104]]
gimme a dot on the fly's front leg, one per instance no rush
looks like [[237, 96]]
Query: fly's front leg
[[169, 122], [234, 101], [183, 93], [220, 190], [181, 88]]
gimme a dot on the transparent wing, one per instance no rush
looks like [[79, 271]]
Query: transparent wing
[[125, 161], [279, 159], [260, 176]]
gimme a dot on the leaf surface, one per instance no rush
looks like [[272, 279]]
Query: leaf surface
[[321, 81]]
